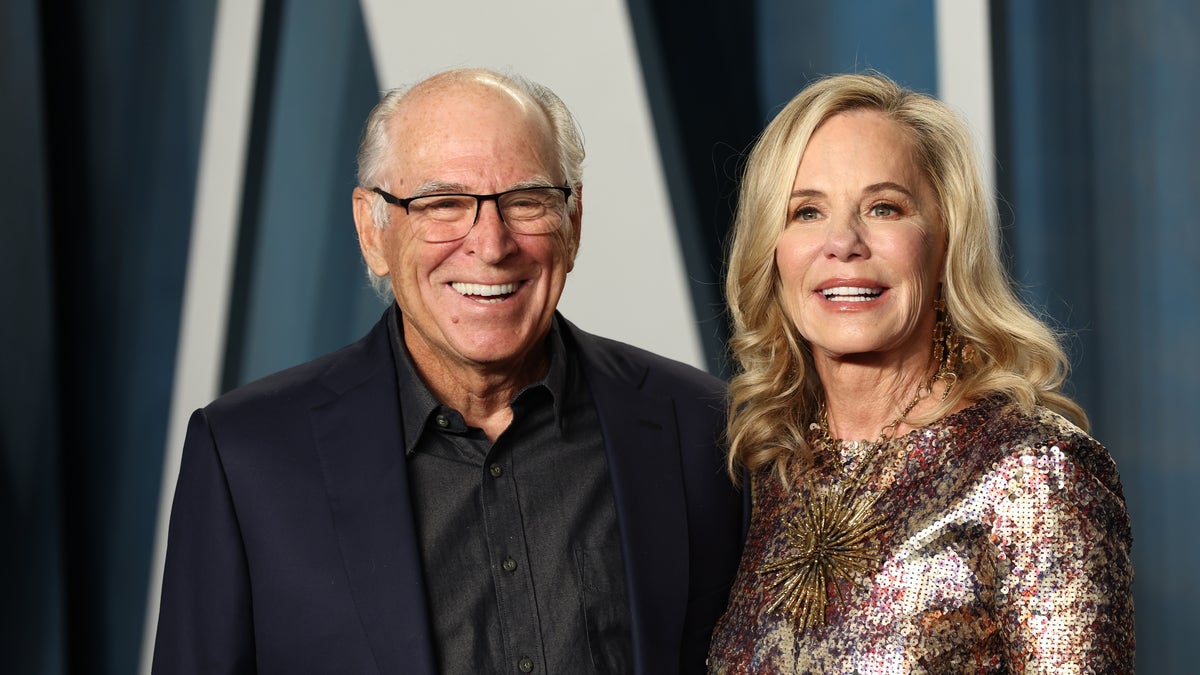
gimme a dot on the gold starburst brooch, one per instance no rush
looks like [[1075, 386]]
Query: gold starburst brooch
[[832, 537]]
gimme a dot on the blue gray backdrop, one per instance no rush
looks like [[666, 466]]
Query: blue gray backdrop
[[101, 143]]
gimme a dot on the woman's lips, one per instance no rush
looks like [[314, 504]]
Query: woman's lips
[[851, 293]]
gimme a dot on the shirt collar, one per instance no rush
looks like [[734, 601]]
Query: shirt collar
[[418, 403]]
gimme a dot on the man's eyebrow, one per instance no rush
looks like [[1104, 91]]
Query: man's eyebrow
[[535, 182], [437, 186], [442, 187]]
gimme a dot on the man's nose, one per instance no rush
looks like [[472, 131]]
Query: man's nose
[[489, 238], [479, 208]]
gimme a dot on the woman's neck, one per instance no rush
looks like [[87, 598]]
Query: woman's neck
[[864, 401]]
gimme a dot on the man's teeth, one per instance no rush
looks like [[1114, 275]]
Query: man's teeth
[[851, 294], [484, 290]]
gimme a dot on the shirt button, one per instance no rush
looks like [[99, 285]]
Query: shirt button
[[509, 564], [442, 421], [495, 470], [525, 665]]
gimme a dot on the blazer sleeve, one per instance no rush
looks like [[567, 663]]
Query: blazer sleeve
[[715, 522], [205, 623]]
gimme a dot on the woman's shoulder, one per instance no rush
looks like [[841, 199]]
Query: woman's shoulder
[[1035, 438], [1005, 425]]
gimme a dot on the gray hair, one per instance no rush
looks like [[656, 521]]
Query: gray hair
[[374, 149]]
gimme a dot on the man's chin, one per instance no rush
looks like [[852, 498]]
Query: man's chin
[[496, 347]]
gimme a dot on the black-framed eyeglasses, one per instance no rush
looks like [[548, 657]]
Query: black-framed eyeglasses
[[448, 216]]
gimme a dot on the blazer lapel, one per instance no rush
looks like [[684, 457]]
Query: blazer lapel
[[640, 437], [357, 435]]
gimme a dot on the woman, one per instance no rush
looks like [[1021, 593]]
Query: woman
[[922, 502]]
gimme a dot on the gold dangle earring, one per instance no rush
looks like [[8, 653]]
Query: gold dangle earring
[[947, 345]]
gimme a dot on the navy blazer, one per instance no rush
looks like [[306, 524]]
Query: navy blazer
[[293, 549]]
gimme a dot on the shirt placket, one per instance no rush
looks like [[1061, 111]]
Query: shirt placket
[[509, 561]]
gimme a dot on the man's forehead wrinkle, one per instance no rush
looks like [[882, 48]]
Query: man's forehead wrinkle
[[441, 186], [419, 118], [429, 100]]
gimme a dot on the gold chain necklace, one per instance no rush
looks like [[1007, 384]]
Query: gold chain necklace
[[832, 531]]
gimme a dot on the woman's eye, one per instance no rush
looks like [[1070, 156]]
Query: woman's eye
[[805, 213], [884, 211]]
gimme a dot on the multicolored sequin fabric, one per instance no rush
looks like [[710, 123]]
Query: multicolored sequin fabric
[[1006, 550]]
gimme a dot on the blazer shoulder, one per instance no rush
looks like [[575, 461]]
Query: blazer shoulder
[[307, 384], [643, 368]]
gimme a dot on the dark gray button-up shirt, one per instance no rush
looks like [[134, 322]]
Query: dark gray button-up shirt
[[519, 538]]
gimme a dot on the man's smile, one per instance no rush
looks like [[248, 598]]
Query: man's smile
[[485, 293]]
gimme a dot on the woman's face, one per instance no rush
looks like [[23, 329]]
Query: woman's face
[[861, 254]]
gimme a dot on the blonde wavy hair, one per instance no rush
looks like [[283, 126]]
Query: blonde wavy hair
[[775, 392]]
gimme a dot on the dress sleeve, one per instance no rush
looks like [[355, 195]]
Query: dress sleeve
[[1064, 577], [205, 623]]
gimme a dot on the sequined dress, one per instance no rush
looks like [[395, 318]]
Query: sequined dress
[[1005, 550]]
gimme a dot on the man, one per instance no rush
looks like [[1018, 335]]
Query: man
[[477, 485]]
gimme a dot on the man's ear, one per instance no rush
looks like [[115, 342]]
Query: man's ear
[[576, 217], [370, 237]]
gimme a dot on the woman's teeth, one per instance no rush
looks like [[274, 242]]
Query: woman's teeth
[[851, 294]]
